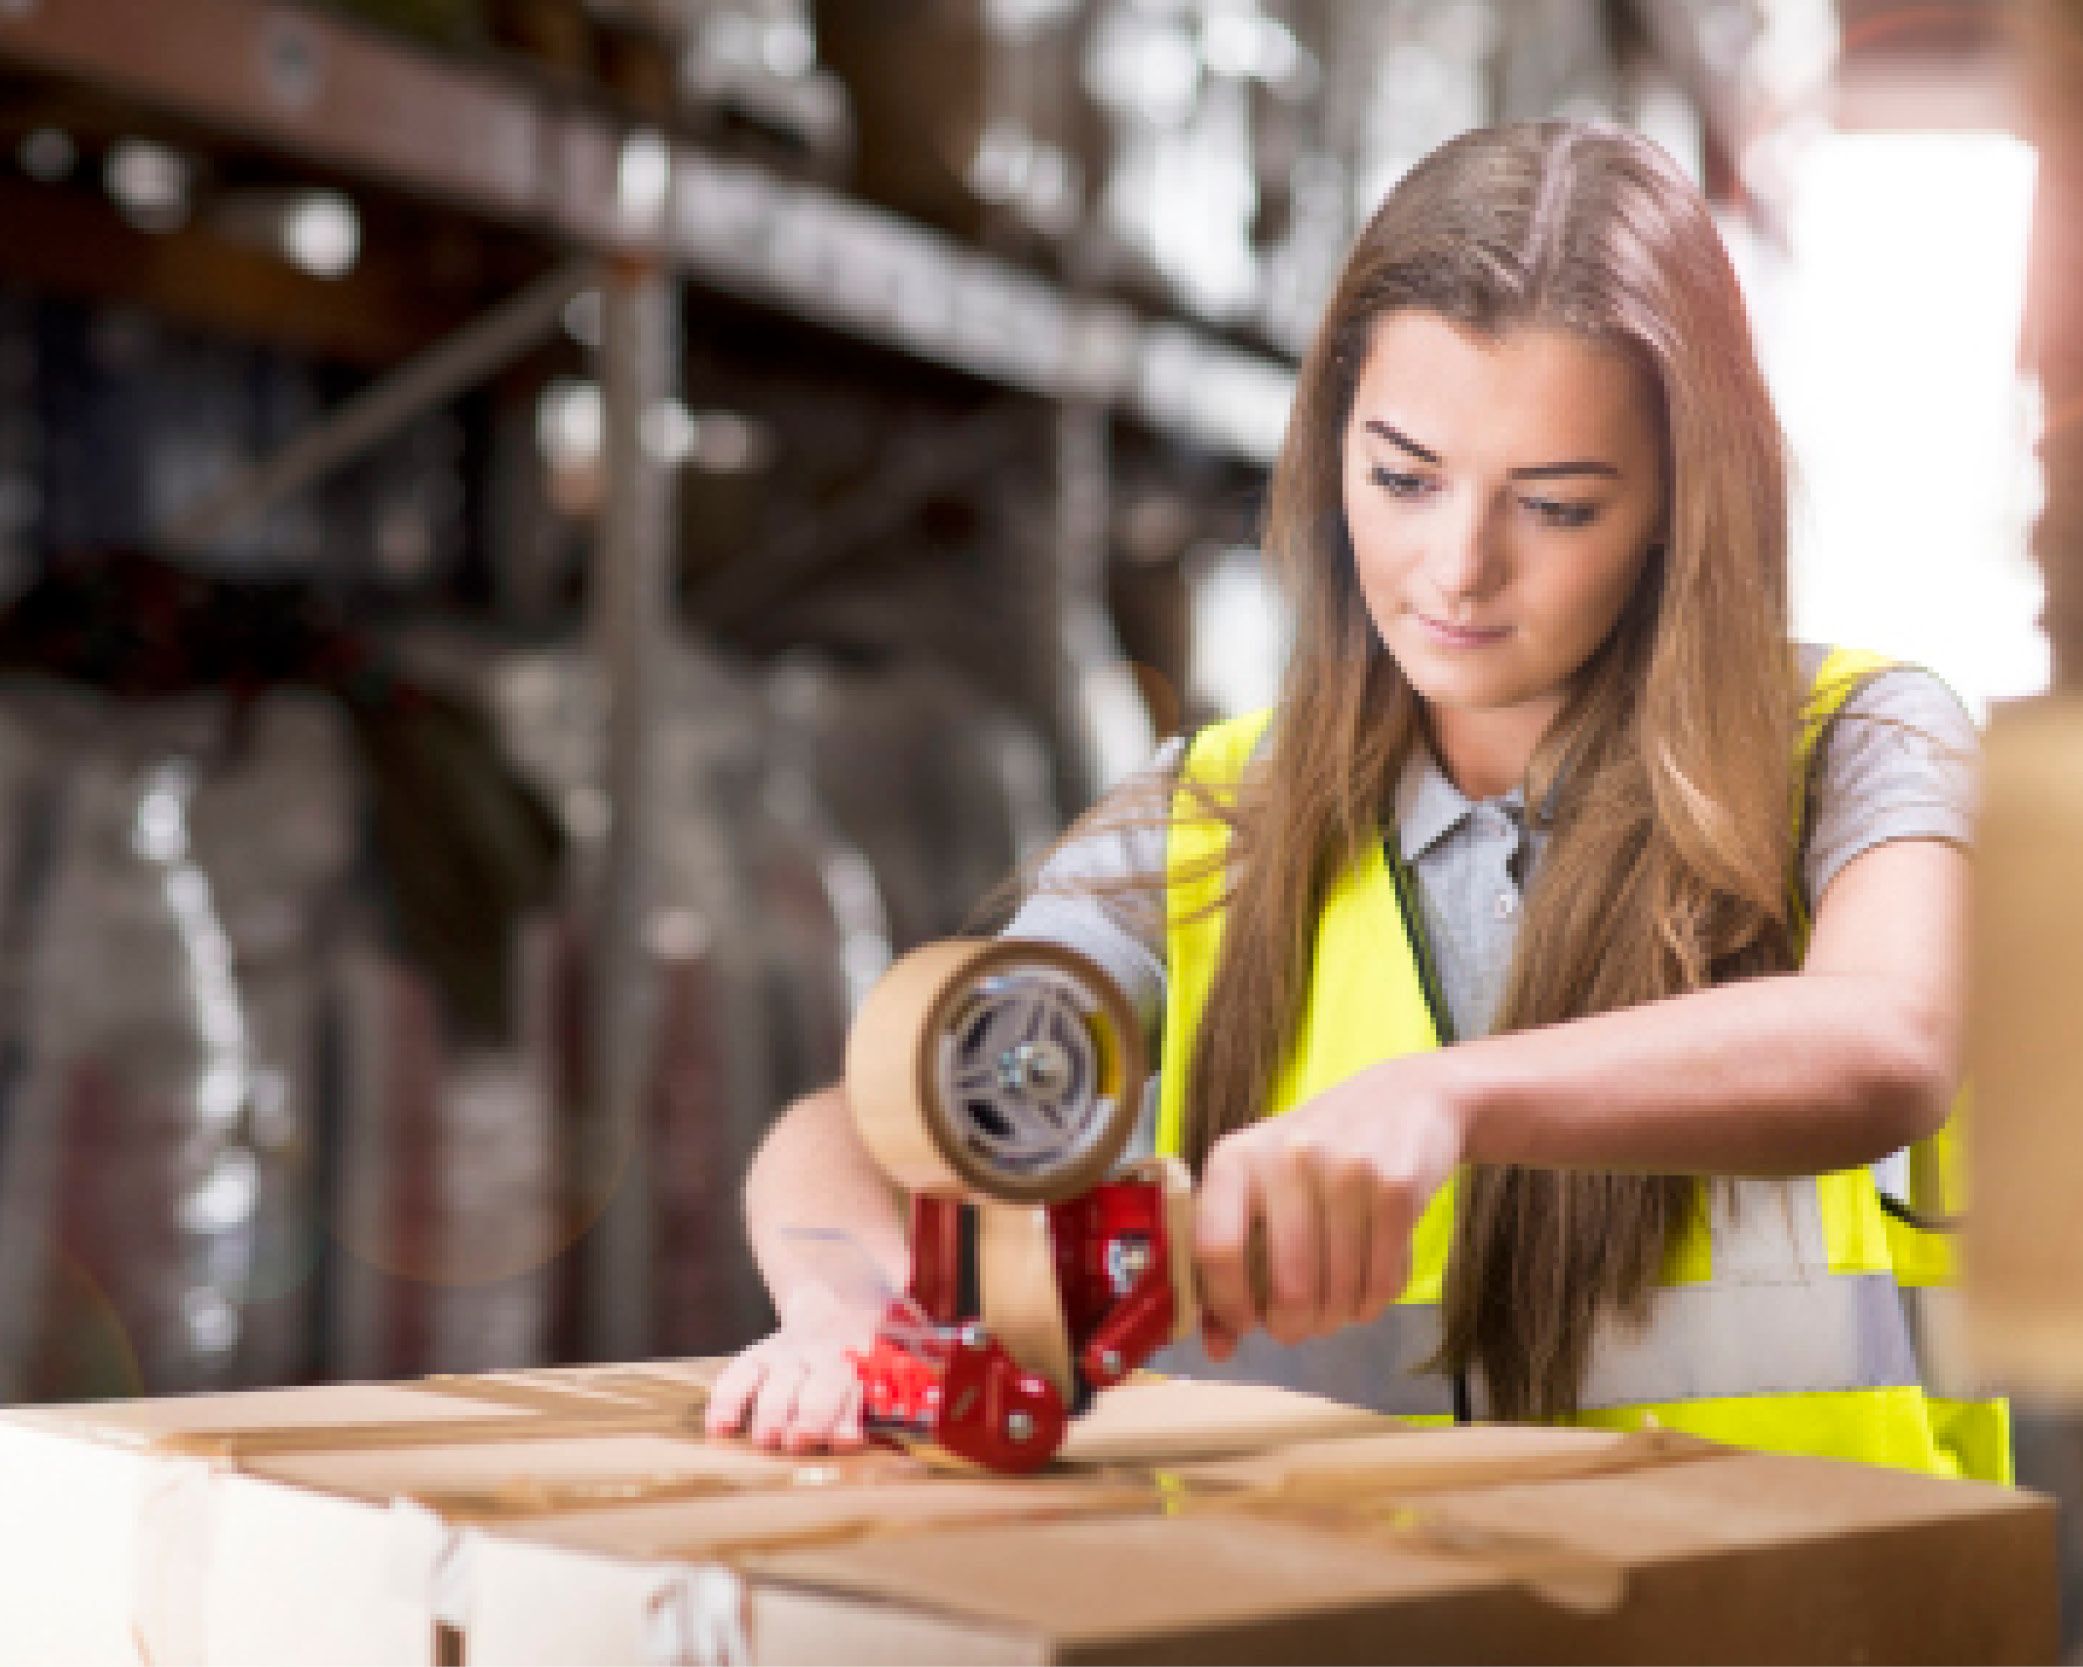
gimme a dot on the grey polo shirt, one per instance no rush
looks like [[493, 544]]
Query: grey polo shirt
[[1897, 764]]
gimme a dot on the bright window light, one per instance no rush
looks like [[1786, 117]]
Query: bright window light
[[1893, 348], [1242, 632]]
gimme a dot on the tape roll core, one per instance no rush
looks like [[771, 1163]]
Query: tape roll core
[[995, 1069]]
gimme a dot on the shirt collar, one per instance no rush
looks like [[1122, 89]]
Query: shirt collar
[[1429, 806]]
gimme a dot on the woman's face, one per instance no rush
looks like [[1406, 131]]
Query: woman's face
[[1502, 495]]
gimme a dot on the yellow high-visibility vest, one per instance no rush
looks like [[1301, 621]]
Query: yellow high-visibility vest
[[1791, 1315]]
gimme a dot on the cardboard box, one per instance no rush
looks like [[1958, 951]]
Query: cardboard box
[[578, 1516], [2024, 1261]]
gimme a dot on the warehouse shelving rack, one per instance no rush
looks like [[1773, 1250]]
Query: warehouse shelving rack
[[326, 91], [641, 213]]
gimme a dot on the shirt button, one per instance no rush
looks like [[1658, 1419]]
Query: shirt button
[[1507, 905]]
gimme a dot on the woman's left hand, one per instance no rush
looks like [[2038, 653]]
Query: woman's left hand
[[1332, 1190]]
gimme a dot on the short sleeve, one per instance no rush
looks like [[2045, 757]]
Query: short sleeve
[[1122, 931], [1897, 762]]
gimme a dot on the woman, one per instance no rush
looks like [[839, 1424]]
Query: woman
[[1534, 781]]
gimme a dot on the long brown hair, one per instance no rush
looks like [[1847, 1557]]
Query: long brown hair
[[1669, 850]]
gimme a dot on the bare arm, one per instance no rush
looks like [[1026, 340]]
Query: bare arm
[[799, 1389], [813, 1171], [1835, 1065]]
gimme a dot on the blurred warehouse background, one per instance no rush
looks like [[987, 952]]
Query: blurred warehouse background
[[542, 540]]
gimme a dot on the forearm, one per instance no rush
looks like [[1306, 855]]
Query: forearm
[[813, 1172], [1794, 1074]]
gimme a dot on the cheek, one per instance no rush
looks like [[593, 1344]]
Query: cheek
[[1596, 592], [1378, 552]]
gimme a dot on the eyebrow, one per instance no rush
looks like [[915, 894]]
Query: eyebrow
[[1533, 471]]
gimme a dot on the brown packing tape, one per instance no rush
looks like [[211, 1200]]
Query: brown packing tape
[[524, 1394], [1343, 1494], [651, 1390], [619, 1403], [921, 1134], [1566, 1576], [1177, 1181], [540, 1411], [889, 1066], [1563, 1575], [1018, 1292], [1343, 1479], [1559, 1574], [646, 1405], [1369, 1500], [893, 1056], [576, 1394], [1091, 1502], [525, 1498], [389, 1436]]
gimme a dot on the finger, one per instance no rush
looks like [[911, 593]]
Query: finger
[[1293, 1215], [1221, 1241], [1347, 1216], [733, 1392], [1388, 1259], [775, 1409], [827, 1412], [1217, 1342]]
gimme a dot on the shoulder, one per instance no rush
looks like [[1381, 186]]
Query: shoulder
[[1098, 890], [1894, 760], [1122, 836], [1220, 750], [1861, 695]]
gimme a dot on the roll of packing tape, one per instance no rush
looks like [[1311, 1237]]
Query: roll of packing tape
[[997, 1070], [1019, 1293]]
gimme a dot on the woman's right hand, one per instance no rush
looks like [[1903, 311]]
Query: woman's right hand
[[798, 1391]]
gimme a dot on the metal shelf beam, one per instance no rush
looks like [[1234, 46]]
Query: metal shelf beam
[[335, 95]]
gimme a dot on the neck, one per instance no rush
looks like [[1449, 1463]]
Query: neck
[[1485, 754]]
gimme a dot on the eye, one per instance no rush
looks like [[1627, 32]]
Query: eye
[[1556, 512], [1399, 485]]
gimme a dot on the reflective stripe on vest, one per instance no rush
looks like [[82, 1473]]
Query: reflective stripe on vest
[[1829, 1334], [1793, 1318]]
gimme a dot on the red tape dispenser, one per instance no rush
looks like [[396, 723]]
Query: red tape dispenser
[[998, 1083]]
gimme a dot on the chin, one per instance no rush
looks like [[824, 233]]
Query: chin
[[1454, 679]]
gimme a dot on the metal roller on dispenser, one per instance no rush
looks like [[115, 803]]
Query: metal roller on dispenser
[[1002, 1080]]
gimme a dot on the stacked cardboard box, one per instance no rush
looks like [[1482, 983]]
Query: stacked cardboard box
[[579, 1516], [2024, 1262]]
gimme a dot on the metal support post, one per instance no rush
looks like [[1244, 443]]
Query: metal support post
[[1108, 716], [630, 609]]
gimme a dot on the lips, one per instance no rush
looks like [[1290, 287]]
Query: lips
[[1460, 636]]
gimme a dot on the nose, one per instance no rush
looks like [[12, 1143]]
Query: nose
[[1465, 564]]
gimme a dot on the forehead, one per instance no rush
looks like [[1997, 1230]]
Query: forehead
[[1534, 394]]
